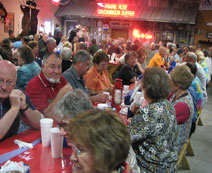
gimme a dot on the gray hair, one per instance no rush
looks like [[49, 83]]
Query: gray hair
[[156, 82], [181, 76], [169, 45], [46, 56], [81, 56], [146, 44], [192, 55], [116, 42], [66, 53], [50, 40], [73, 103]]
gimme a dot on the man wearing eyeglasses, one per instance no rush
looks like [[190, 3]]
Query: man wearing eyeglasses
[[14, 103], [75, 75], [48, 87]]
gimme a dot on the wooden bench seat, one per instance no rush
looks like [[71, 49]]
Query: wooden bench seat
[[186, 150]]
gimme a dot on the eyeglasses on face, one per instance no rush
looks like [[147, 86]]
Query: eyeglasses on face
[[103, 64], [9, 83], [78, 151]]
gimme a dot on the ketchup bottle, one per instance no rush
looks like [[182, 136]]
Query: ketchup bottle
[[117, 94]]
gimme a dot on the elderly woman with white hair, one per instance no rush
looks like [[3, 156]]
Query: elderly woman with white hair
[[66, 56], [192, 57], [73, 103]]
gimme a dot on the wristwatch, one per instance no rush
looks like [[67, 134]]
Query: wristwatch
[[25, 109]]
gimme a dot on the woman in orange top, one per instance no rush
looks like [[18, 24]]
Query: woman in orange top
[[97, 79]]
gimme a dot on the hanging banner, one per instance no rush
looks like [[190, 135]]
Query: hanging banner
[[120, 24], [115, 10]]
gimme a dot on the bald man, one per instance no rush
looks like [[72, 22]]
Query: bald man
[[159, 59], [14, 104]]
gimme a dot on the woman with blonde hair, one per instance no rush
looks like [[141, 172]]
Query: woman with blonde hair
[[100, 143], [67, 44], [62, 41], [203, 63]]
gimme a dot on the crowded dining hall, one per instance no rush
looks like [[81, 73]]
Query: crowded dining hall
[[105, 86]]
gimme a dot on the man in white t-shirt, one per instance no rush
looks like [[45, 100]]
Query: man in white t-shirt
[[208, 61]]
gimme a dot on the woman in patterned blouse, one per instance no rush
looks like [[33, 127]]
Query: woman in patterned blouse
[[153, 128], [181, 79]]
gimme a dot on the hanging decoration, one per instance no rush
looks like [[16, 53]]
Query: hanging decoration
[[9, 22], [29, 21], [3, 13]]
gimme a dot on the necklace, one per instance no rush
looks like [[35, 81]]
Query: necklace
[[180, 95]]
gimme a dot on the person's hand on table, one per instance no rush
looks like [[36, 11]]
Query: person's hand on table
[[102, 98], [129, 120], [110, 90], [64, 90], [134, 108]]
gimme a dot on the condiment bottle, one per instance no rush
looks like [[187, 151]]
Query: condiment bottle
[[117, 94]]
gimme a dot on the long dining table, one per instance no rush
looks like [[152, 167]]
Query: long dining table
[[38, 158]]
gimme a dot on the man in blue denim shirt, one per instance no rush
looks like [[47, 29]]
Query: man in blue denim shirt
[[13, 103]]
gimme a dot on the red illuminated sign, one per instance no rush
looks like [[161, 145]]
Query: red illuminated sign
[[114, 10], [56, 2], [137, 34]]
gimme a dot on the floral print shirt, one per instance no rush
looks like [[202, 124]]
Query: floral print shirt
[[206, 70], [153, 135], [183, 130]]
